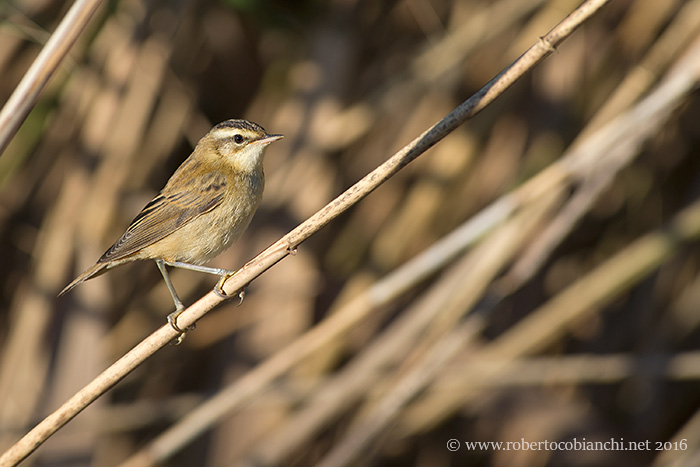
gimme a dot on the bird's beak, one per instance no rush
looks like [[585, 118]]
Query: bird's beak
[[269, 139]]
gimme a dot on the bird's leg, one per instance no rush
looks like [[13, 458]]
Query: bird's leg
[[198, 268], [179, 306], [224, 274]]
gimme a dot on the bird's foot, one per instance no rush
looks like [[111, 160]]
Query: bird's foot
[[219, 288], [172, 320]]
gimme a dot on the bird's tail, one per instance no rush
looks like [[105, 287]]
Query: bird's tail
[[95, 270]]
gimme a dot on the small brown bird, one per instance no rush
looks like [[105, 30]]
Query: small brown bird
[[204, 207]]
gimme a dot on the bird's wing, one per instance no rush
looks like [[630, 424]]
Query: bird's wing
[[167, 212]]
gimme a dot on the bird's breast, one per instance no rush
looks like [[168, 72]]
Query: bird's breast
[[212, 232]]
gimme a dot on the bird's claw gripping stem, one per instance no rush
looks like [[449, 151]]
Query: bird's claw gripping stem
[[172, 320]]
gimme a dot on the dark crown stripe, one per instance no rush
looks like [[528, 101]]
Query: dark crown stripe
[[242, 124]]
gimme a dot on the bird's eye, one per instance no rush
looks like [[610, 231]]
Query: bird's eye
[[238, 138]]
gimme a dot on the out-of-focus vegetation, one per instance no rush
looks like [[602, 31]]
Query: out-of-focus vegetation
[[576, 316]]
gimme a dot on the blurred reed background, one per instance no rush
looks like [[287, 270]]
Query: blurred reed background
[[572, 312]]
